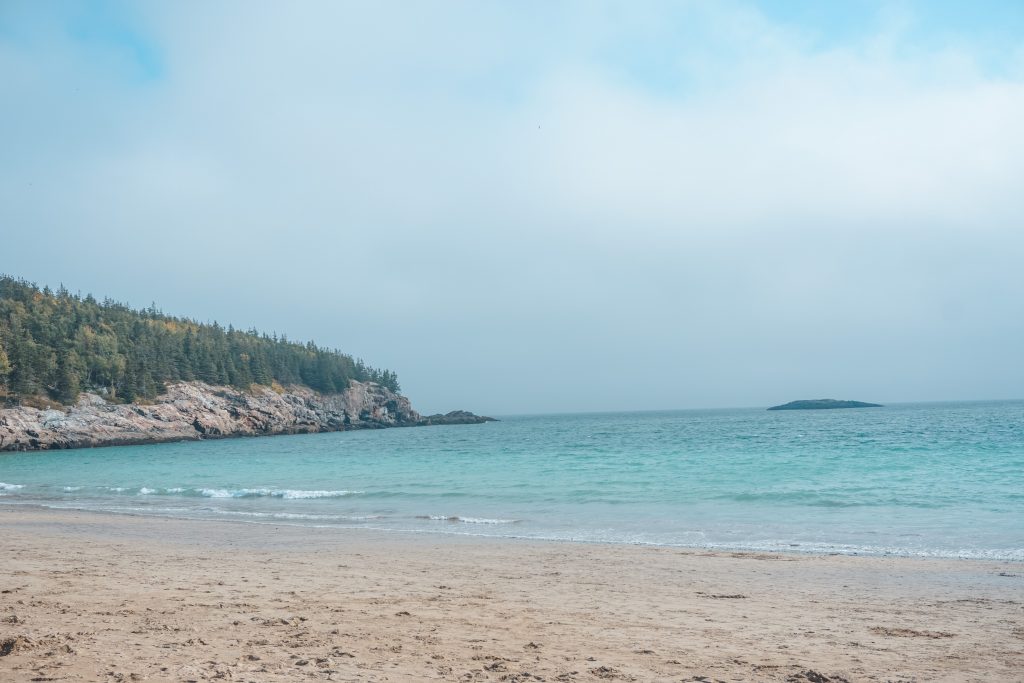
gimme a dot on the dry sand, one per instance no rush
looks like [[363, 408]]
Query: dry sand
[[100, 597]]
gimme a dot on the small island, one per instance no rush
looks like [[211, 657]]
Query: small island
[[823, 404]]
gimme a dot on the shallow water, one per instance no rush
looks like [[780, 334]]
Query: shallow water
[[916, 479]]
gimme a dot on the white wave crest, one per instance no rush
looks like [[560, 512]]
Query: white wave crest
[[216, 493], [290, 494], [469, 520], [314, 494], [299, 516], [10, 487]]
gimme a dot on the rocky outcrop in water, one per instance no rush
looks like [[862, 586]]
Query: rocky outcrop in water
[[193, 410], [823, 404], [456, 417]]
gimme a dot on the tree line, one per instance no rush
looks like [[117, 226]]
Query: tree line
[[55, 344]]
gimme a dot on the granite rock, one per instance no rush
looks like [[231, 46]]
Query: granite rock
[[194, 410]]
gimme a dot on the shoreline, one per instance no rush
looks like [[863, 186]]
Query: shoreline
[[90, 596], [438, 532]]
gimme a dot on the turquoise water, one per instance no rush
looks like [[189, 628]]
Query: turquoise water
[[923, 479]]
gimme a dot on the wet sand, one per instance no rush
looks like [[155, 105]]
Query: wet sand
[[95, 597]]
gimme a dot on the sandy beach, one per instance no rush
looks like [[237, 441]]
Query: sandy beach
[[87, 597]]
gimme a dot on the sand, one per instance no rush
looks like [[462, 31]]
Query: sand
[[99, 597]]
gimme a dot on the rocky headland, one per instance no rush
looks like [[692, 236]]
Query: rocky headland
[[189, 411]]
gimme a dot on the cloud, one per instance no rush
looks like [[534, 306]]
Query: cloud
[[540, 207]]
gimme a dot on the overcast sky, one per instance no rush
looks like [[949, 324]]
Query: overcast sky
[[530, 207]]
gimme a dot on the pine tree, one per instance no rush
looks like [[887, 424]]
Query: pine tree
[[5, 369], [60, 343], [68, 384]]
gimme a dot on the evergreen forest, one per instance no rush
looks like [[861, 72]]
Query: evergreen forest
[[54, 345]]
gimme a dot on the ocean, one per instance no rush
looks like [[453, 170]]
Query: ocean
[[936, 479]]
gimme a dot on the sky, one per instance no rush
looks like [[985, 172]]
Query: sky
[[529, 207]]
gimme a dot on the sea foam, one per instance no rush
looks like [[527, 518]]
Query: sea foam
[[467, 520], [288, 494]]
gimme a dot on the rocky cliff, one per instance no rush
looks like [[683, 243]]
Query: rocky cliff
[[193, 410]]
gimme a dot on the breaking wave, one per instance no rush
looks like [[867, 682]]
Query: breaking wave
[[288, 494], [467, 520]]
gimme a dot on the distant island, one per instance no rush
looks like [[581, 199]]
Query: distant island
[[823, 404], [76, 372]]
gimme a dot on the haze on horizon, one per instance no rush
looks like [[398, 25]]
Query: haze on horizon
[[543, 207]]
